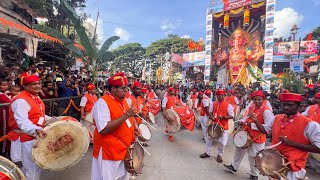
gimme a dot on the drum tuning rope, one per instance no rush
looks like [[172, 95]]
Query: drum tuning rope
[[146, 122], [149, 154]]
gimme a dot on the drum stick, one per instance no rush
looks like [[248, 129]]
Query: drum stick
[[144, 148], [273, 146], [146, 122]]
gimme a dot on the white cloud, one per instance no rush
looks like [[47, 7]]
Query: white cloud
[[91, 26], [285, 19], [168, 26], [316, 2], [186, 36], [123, 34]]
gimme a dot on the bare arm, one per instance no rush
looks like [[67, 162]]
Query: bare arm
[[258, 124], [303, 147]]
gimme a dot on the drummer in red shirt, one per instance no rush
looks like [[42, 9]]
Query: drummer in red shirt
[[88, 100], [222, 112], [115, 131], [205, 112], [27, 118], [298, 135], [135, 100], [313, 111], [264, 115], [169, 102]]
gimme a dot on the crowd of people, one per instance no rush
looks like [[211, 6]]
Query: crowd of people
[[123, 105]]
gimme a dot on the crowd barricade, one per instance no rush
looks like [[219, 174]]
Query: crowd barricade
[[66, 106]]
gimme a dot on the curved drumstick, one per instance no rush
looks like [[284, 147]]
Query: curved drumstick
[[146, 122], [143, 148], [273, 146]]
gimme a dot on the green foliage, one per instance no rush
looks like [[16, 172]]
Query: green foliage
[[129, 58], [103, 53], [66, 41], [81, 31], [292, 83], [172, 43]]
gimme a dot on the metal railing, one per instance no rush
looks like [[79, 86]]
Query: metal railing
[[53, 107]]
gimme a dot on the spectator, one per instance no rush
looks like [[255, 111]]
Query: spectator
[[47, 90], [13, 91]]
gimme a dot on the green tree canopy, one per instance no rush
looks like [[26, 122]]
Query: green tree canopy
[[129, 58]]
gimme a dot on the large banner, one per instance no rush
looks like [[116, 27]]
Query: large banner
[[217, 6], [208, 53], [194, 59], [269, 37], [292, 48]]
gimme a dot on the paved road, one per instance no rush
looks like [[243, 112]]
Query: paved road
[[175, 160]]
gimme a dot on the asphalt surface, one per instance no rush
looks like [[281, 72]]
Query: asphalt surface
[[177, 160]]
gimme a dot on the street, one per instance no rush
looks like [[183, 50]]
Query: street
[[171, 160]]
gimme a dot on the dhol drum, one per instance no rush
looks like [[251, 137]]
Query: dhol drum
[[65, 145], [90, 128], [271, 163], [315, 156], [236, 110], [190, 103], [242, 139], [172, 121], [215, 131], [89, 118], [152, 118], [10, 171], [231, 126], [145, 133], [60, 118], [134, 159]]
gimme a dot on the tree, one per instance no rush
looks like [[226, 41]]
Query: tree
[[129, 58], [93, 56]]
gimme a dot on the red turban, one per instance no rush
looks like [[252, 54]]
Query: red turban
[[90, 87], [118, 79], [207, 92], [317, 96], [230, 91], [29, 79], [135, 84], [220, 92], [200, 93], [194, 90], [144, 90], [170, 89], [310, 86], [290, 97], [258, 93], [235, 91]]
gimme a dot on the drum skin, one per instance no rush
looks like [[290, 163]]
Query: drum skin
[[215, 131], [241, 139], [64, 146], [173, 120], [10, 170], [134, 159], [152, 118], [268, 161], [146, 134], [89, 118]]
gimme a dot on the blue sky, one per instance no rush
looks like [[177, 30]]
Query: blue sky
[[146, 21]]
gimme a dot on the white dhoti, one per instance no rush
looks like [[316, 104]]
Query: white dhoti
[[252, 151], [203, 121], [223, 140], [296, 175], [108, 169], [16, 150], [32, 171]]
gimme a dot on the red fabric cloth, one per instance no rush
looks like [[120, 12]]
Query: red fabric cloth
[[37, 111], [135, 84], [118, 79], [317, 95], [170, 89], [258, 93], [154, 106], [91, 87], [116, 143], [294, 130], [29, 79], [221, 109], [144, 90], [207, 92], [290, 97], [187, 117], [220, 92]]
